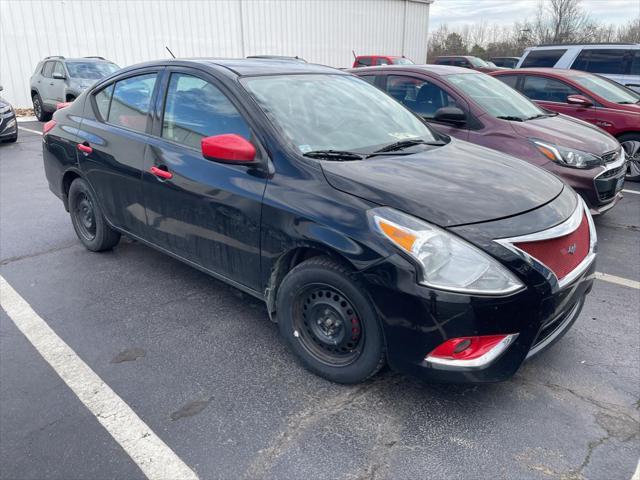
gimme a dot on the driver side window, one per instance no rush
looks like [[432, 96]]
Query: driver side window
[[420, 96]]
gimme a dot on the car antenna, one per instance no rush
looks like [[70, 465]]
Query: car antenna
[[354, 54], [168, 50]]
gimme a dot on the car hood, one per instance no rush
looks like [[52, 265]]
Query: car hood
[[567, 132], [457, 184]]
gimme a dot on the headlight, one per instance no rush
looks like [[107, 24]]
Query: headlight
[[447, 262], [569, 157], [5, 109]]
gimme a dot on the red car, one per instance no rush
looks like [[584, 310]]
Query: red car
[[592, 98], [373, 60]]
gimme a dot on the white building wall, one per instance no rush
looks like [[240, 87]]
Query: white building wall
[[128, 32]]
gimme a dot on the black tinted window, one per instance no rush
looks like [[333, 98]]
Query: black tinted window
[[103, 99], [130, 102], [547, 89], [47, 70], [542, 58], [442, 61], [635, 63], [510, 80], [601, 61], [420, 96], [364, 61], [195, 109]]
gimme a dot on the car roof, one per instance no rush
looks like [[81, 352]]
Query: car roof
[[611, 46], [557, 72], [379, 55], [245, 66], [437, 70], [84, 59]]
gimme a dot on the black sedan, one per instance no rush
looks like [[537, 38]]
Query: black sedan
[[8, 124], [371, 237]]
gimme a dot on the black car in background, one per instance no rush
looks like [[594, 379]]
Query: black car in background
[[371, 237], [8, 122], [507, 62]]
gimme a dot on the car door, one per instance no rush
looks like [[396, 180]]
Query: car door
[[200, 210], [113, 138], [552, 94], [424, 97], [45, 83]]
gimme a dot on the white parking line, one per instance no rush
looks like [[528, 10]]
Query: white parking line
[[29, 130], [630, 191], [625, 282], [145, 448]]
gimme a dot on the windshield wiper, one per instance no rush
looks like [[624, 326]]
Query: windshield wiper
[[340, 155], [510, 118], [402, 144], [542, 115]]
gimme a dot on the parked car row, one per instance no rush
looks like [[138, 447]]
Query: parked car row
[[374, 235], [8, 124]]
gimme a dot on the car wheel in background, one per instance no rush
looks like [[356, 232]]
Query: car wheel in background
[[329, 321], [87, 218], [38, 109], [631, 144]]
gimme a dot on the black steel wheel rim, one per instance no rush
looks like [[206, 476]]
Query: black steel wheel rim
[[85, 216], [327, 325]]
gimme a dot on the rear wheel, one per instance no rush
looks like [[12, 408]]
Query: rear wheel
[[631, 144], [38, 109], [87, 218], [329, 322]]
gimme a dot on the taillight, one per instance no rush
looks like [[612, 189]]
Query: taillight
[[48, 126], [477, 351], [60, 105]]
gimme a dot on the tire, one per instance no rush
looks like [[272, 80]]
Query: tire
[[87, 218], [328, 320], [631, 144], [38, 109]]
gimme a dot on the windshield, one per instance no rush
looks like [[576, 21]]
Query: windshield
[[334, 112], [478, 62], [496, 98], [402, 61], [92, 70], [607, 89]]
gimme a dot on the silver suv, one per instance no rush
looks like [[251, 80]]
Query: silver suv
[[58, 79], [619, 62]]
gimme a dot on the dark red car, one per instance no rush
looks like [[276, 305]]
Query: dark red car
[[467, 61], [592, 98], [472, 106]]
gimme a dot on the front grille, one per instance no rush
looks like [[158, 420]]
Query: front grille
[[561, 254], [614, 172], [611, 156]]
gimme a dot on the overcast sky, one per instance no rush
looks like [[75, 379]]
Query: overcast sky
[[459, 12]]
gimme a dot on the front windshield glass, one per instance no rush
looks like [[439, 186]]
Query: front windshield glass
[[334, 112], [495, 97], [91, 70], [478, 62], [607, 89]]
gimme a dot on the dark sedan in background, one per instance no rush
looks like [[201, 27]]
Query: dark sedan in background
[[475, 107], [592, 98], [8, 122], [371, 237]]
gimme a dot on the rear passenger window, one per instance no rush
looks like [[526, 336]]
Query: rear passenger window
[[542, 58], [364, 61], [382, 61], [103, 99], [547, 89], [47, 70], [130, 102], [635, 63], [510, 80], [423, 98], [609, 61], [195, 108]]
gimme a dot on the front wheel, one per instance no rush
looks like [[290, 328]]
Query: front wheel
[[329, 321], [631, 144], [38, 109], [87, 218]]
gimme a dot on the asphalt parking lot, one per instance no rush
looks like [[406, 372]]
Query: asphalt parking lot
[[204, 368]]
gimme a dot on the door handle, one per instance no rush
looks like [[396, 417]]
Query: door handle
[[161, 172], [85, 148]]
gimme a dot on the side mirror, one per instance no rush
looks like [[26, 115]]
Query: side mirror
[[580, 100], [59, 76], [228, 148], [452, 115]]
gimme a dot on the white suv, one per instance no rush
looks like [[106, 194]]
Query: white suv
[[619, 62]]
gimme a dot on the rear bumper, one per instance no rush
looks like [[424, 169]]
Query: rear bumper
[[416, 319]]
